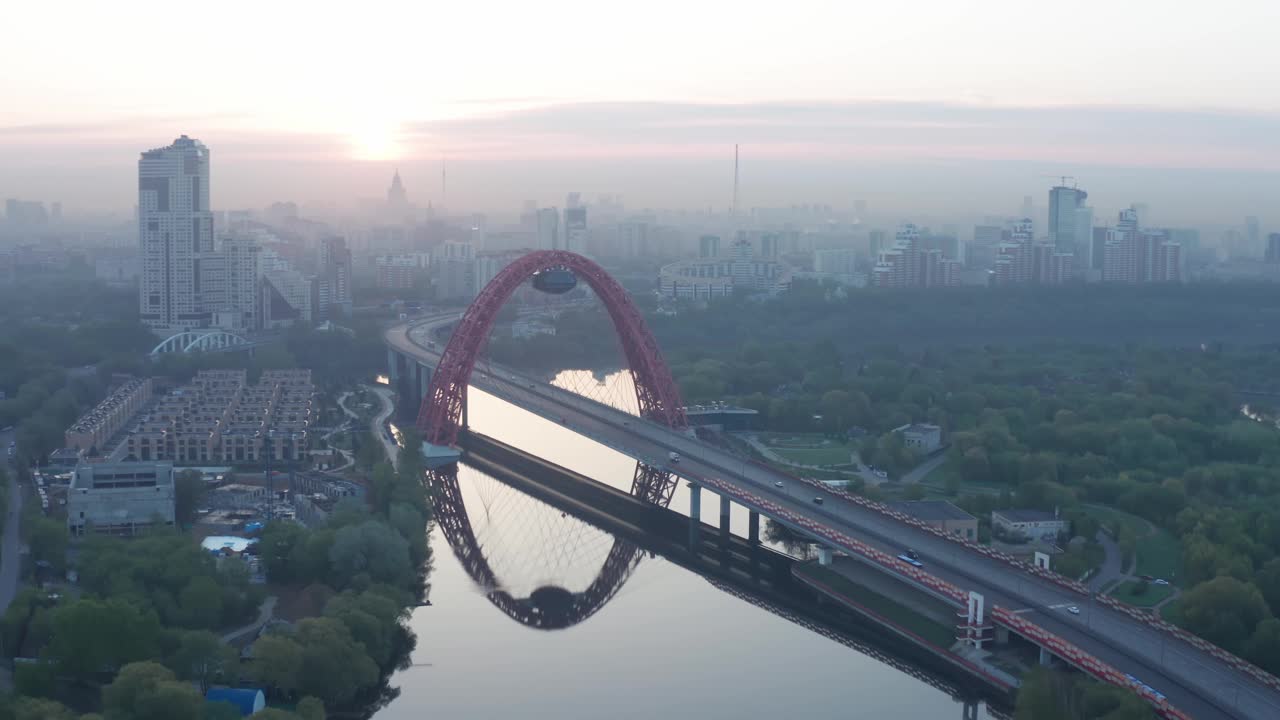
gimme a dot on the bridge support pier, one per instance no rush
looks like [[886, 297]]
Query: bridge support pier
[[824, 555], [970, 711], [724, 517], [1046, 657], [753, 527], [695, 513]]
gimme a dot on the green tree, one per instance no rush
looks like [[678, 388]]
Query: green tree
[[203, 658], [201, 603], [1223, 611], [48, 540], [135, 682], [370, 548], [372, 619], [1039, 697], [334, 666], [277, 662], [90, 636], [169, 699], [188, 494], [25, 708], [38, 679], [310, 708], [1263, 647]]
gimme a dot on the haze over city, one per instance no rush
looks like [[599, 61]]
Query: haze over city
[[929, 107], [647, 360]]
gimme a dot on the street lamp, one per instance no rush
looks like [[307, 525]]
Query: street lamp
[[271, 495]]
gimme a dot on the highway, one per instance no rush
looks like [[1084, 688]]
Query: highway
[[1195, 682]]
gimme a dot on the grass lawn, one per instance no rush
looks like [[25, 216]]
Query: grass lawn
[[932, 631], [1154, 594], [833, 455], [792, 440], [1159, 555], [938, 477]]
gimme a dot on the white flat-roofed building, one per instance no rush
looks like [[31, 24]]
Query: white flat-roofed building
[[921, 437], [1030, 524]]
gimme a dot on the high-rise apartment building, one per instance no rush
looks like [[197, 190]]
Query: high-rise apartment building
[[1070, 231], [400, 272], [242, 264], [549, 229], [175, 235], [1253, 236], [453, 270], [709, 246], [908, 264], [1137, 255], [981, 253], [835, 261], [331, 287], [1272, 254], [575, 229], [635, 237]]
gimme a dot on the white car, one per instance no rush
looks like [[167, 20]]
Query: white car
[[1161, 581], [1073, 610], [778, 484]]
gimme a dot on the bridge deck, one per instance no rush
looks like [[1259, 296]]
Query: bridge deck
[[1200, 684]]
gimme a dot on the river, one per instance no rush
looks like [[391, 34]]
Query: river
[[668, 644]]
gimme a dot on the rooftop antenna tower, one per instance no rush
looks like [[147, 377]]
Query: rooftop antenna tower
[[735, 180], [444, 184]]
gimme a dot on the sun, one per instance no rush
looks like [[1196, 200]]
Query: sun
[[376, 141]]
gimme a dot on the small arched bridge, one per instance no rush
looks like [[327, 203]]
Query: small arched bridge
[[192, 341]]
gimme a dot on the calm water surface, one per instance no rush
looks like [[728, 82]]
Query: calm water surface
[[669, 644]]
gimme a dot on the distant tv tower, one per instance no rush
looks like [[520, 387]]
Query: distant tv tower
[[735, 180]]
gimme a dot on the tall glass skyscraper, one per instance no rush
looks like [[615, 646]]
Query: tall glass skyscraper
[[1064, 202]]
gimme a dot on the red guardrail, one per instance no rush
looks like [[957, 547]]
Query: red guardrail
[[1083, 660], [1149, 619], [1024, 627], [1195, 641]]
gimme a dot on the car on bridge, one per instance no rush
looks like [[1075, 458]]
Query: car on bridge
[[1073, 610], [818, 500], [906, 558]]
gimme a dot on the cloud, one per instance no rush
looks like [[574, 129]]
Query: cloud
[[1143, 136]]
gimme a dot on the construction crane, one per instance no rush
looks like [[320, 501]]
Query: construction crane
[[1062, 178]]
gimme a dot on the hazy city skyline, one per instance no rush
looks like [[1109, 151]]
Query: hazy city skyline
[[895, 105]]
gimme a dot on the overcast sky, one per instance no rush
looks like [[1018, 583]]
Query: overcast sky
[[320, 105]]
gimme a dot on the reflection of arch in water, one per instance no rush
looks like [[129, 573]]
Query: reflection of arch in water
[[869, 650], [548, 607]]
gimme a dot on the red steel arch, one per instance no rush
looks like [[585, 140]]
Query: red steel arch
[[656, 392]]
